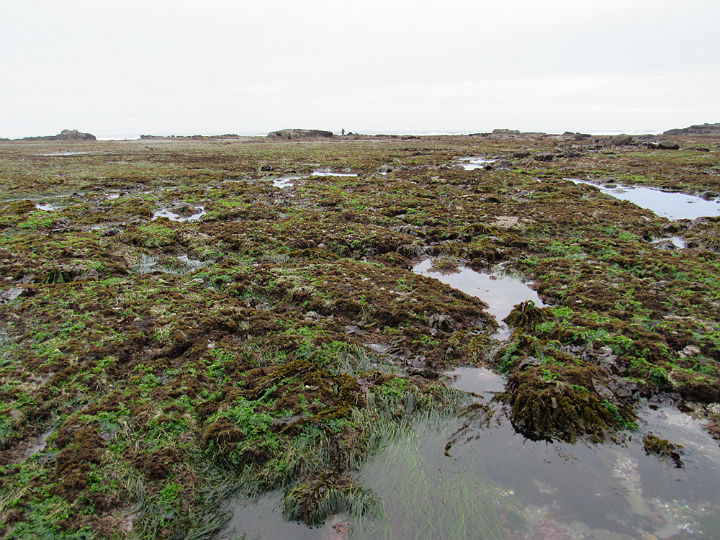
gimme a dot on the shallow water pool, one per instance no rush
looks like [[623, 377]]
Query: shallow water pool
[[666, 204], [500, 291]]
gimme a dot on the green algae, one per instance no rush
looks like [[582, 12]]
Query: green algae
[[157, 387]]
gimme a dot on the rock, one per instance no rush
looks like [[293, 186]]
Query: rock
[[299, 134], [603, 391], [663, 145], [505, 132], [547, 529], [697, 129], [64, 135], [440, 322], [624, 388], [351, 329], [621, 140], [690, 350], [665, 245]]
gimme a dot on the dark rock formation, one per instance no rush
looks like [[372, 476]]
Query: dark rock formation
[[698, 129], [300, 134], [64, 135], [663, 145], [621, 140]]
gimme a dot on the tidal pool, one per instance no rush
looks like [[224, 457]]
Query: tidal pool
[[675, 241], [172, 216], [473, 476], [666, 204], [285, 181], [331, 173], [47, 207], [481, 381], [55, 154], [500, 291], [471, 163], [262, 519], [494, 483]]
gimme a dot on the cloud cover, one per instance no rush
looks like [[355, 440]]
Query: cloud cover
[[124, 68]]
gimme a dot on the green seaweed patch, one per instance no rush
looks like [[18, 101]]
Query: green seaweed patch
[[654, 445]]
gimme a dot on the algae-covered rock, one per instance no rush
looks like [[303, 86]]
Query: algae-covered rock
[[300, 134]]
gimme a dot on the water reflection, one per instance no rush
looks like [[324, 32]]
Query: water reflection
[[666, 204], [548, 490], [472, 163], [331, 173], [172, 216], [500, 291], [476, 380]]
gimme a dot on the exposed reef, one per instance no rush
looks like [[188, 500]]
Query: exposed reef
[[182, 319]]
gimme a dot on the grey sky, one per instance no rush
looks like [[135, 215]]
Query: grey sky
[[129, 67]]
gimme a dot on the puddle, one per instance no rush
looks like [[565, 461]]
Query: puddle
[[172, 216], [285, 181], [47, 207], [147, 265], [666, 204], [55, 154], [262, 519], [192, 264], [476, 380], [331, 173], [674, 241], [472, 163], [501, 292]]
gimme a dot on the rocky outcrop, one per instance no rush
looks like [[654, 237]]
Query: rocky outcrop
[[64, 135], [300, 134], [663, 145], [699, 129], [621, 140]]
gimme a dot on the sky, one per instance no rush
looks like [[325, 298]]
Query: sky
[[124, 68]]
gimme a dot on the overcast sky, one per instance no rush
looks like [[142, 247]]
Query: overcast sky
[[122, 68]]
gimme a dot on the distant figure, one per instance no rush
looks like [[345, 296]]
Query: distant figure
[[342, 132]]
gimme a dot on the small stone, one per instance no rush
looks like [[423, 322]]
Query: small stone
[[351, 329], [690, 350]]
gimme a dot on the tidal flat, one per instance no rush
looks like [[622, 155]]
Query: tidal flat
[[190, 326]]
